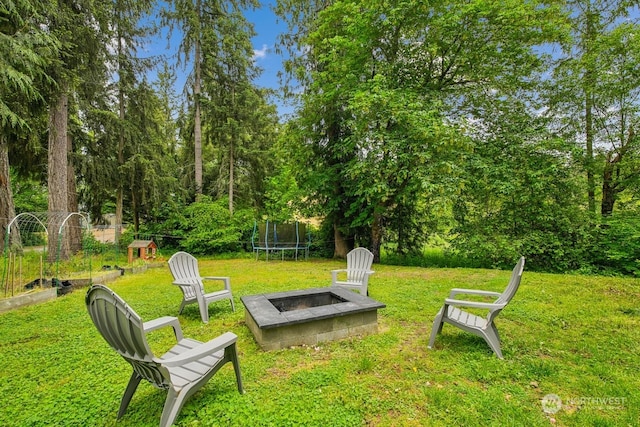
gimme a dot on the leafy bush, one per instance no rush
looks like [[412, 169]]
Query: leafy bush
[[618, 245], [33, 238], [322, 240], [168, 227], [282, 195], [488, 250], [127, 236], [211, 229], [94, 246]]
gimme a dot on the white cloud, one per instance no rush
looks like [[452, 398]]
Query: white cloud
[[260, 53]]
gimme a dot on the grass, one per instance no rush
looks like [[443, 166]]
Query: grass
[[577, 337]]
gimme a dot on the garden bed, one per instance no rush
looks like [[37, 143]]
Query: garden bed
[[43, 294], [29, 298]]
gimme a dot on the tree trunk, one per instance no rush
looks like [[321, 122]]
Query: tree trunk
[[231, 147], [135, 211], [231, 178], [609, 184], [376, 236], [121, 116], [342, 245], [197, 125], [57, 178], [119, 213], [7, 207], [612, 183], [608, 194], [75, 226]]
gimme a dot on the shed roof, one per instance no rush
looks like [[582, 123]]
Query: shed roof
[[142, 244]]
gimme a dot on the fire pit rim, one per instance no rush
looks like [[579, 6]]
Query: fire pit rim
[[266, 315]]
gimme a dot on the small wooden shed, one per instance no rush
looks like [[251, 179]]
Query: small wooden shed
[[146, 249]]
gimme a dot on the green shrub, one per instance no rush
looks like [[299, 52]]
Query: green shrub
[[618, 245], [31, 238], [211, 228]]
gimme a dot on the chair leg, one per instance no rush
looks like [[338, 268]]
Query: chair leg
[[436, 328], [233, 307], [128, 393], [204, 311], [492, 338], [172, 406], [232, 355]]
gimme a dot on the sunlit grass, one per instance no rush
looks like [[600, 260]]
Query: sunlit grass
[[573, 336]]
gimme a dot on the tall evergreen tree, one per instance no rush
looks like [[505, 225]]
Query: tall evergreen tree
[[164, 87], [148, 170], [21, 76], [192, 18], [205, 26], [80, 28], [239, 119], [127, 32]]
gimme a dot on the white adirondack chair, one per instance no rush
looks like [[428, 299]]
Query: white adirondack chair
[[184, 268], [357, 272], [481, 326], [181, 371]]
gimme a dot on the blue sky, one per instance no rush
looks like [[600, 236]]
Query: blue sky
[[268, 27]]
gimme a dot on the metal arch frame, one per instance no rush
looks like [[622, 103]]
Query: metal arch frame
[[5, 276], [33, 216], [60, 230]]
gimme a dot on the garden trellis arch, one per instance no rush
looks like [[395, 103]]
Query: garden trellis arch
[[33, 227]]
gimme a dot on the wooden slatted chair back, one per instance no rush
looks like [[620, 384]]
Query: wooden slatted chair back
[[123, 330], [508, 293], [184, 268], [359, 262], [514, 283]]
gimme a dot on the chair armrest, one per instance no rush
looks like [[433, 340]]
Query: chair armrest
[[161, 322], [226, 280], [214, 278], [456, 291], [471, 304], [334, 274], [206, 349]]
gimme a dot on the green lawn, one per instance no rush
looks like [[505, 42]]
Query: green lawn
[[577, 337]]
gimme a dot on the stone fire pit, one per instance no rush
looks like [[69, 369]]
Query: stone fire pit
[[309, 316]]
